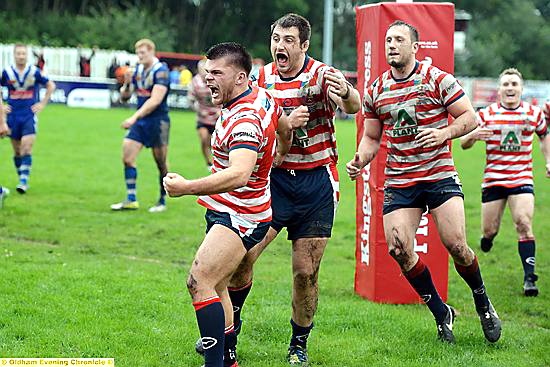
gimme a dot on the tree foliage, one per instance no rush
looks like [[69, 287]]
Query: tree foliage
[[502, 33]]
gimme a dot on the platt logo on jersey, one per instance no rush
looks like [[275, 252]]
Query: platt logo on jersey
[[510, 141], [405, 124]]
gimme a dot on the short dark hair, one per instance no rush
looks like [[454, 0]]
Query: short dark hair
[[413, 31], [236, 53], [294, 20]]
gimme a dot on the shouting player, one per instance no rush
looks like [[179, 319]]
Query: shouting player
[[410, 103], [507, 128], [305, 185], [236, 195]]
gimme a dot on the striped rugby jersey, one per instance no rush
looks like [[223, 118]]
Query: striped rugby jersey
[[314, 145], [509, 161], [249, 121], [404, 107], [207, 112]]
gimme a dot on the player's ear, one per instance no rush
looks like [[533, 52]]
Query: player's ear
[[415, 47], [241, 78], [305, 45]]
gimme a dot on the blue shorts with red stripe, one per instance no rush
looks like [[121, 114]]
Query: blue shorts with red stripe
[[304, 201]]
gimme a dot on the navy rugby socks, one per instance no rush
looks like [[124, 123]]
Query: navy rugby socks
[[526, 249], [472, 276], [211, 320]]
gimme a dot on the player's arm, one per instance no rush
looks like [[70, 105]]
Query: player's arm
[[50, 87], [545, 148], [3, 126], [464, 122], [157, 95], [479, 133], [241, 165], [127, 87], [342, 93], [367, 149], [284, 139]]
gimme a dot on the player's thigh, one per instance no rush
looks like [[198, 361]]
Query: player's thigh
[[450, 220], [400, 227], [16, 144], [491, 216], [254, 253], [218, 256], [130, 150], [522, 207]]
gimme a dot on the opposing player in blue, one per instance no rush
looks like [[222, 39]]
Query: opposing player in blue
[[149, 126], [4, 192], [23, 83]]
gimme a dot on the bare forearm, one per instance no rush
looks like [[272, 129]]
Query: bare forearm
[[126, 92], [49, 91], [461, 126], [227, 180], [353, 103], [467, 141], [367, 149], [147, 107]]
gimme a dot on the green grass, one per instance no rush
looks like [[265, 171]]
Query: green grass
[[77, 280]]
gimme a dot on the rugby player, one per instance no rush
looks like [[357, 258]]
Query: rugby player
[[507, 128], [305, 185], [23, 83], [149, 126], [236, 195], [410, 103]]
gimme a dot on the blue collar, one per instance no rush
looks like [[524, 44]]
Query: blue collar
[[243, 94]]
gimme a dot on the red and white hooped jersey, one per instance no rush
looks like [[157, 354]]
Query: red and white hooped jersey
[[509, 160], [314, 145], [404, 107], [249, 121]]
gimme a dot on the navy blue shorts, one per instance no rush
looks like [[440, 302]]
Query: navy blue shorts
[[500, 192], [210, 128], [304, 201], [424, 195], [253, 235], [21, 125], [151, 132]]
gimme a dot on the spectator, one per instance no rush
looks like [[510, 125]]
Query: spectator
[[111, 70], [174, 76], [84, 62], [185, 76], [40, 62]]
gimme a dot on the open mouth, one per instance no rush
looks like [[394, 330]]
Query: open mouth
[[282, 59], [215, 91]]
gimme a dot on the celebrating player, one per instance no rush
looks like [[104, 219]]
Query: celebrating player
[[207, 113], [305, 185], [23, 83], [236, 194], [507, 128], [410, 103], [149, 125]]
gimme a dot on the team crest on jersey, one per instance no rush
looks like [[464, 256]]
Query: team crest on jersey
[[510, 141], [405, 122]]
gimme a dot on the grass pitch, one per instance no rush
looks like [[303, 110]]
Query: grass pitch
[[77, 280]]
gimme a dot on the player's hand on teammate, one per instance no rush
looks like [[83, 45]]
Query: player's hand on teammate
[[174, 184], [299, 117], [126, 124], [7, 109], [37, 107], [354, 167], [430, 137], [482, 133]]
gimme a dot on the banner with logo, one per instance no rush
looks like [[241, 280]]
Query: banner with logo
[[377, 275]]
